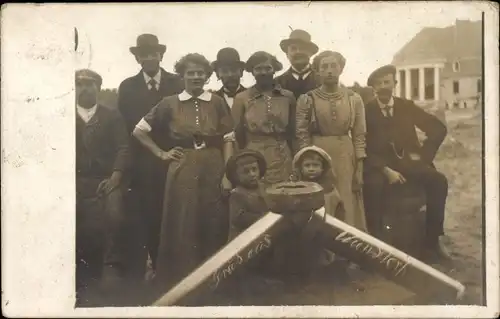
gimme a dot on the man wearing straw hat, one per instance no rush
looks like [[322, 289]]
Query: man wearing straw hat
[[137, 95], [299, 49]]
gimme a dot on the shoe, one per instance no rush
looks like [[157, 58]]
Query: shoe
[[437, 253]]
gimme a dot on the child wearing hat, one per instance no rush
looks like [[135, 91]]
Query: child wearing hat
[[313, 164], [247, 204]]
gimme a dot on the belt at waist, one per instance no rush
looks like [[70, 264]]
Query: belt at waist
[[347, 135], [199, 142], [273, 136]]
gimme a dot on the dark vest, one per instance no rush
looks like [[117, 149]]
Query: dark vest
[[298, 87]]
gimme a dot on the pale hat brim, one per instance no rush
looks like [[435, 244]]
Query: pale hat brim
[[286, 42]]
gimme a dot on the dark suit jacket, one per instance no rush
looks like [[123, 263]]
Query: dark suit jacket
[[288, 82], [400, 130], [134, 101], [102, 144], [220, 92]]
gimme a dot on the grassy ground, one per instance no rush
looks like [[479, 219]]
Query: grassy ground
[[460, 160]]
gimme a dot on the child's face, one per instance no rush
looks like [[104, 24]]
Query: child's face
[[312, 167], [248, 171]]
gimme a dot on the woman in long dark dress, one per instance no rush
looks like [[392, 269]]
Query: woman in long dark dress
[[197, 121], [264, 117]]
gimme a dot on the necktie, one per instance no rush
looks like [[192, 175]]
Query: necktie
[[388, 111], [152, 83]]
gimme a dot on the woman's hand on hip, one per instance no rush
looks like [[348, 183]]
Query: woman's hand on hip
[[175, 154]]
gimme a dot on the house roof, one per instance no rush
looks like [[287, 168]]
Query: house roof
[[462, 40]]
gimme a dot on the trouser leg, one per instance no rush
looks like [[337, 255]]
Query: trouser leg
[[374, 188], [114, 212], [436, 190]]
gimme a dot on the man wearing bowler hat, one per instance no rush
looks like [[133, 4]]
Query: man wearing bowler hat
[[229, 69], [395, 157], [102, 158], [137, 95], [299, 49]]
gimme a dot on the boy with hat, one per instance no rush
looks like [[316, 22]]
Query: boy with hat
[[102, 158], [246, 202], [396, 157], [299, 49], [137, 95]]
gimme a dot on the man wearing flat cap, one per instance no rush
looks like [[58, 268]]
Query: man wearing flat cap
[[137, 95], [299, 49], [102, 158], [395, 156]]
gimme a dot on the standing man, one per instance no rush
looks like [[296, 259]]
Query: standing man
[[395, 156], [229, 69], [299, 78], [102, 157], [137, 95]]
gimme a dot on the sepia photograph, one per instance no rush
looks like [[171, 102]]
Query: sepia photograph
[[276, 154]]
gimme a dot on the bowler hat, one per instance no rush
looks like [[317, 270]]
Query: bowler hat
[[87, 74], [384, 70], [148, 43], [229, 57], [231, 164], [299, 36]]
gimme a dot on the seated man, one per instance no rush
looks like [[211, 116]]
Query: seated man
[[395, 156], [102, 155]]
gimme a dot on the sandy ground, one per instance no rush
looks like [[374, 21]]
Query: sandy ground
[[460, 160]]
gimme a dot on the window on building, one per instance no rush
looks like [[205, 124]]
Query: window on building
[[479, 87], [456, 66], [456, 87]]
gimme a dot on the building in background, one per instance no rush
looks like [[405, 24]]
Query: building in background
[[441, 67]]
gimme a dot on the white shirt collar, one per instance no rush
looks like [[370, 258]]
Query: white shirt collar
[[86, 114], [305, 75], [390, 103], [205, 96], [157, 77]]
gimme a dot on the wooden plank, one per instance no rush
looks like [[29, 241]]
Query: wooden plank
[[389, 262]]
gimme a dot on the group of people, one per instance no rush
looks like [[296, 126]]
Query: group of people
[[177, 171]]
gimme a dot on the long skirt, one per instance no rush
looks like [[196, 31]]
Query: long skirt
[[341, 150], [278, 158], [193, 217]]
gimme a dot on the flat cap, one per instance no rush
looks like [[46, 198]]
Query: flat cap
[[87, 74], [384, 70]]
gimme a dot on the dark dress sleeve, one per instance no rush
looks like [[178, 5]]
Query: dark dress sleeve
[[158, 117], [226, 123], [291, 136], [238, 113]]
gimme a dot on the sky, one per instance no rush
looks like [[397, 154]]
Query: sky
[[368, 34]]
